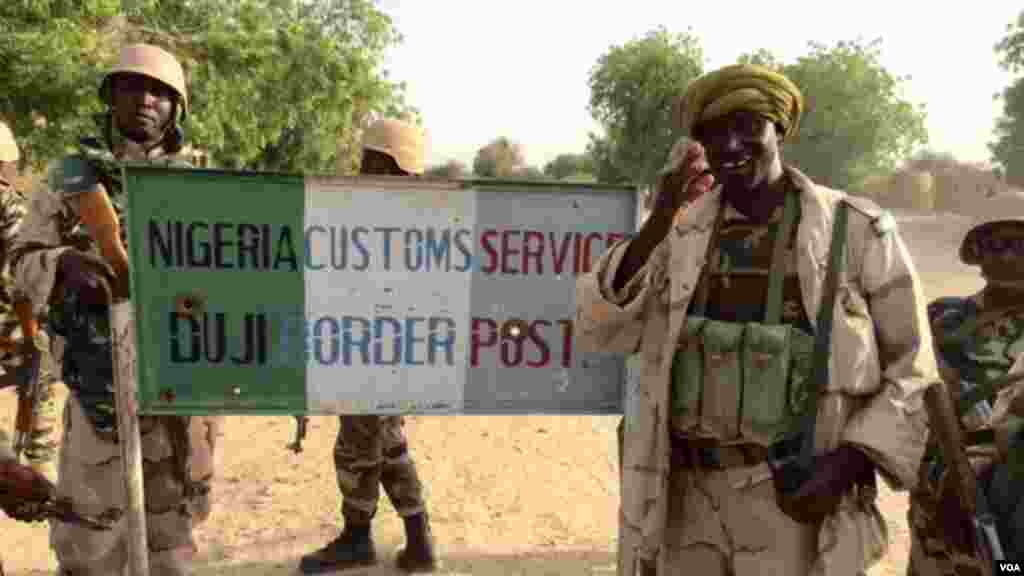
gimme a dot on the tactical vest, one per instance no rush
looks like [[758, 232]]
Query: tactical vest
[[87, 366], [750, 382], [982, 346]]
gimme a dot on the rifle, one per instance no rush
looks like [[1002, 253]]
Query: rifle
[[948, 434], [300, 433], [20, 486], [28, 402]]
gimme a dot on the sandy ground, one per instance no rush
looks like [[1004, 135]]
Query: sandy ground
[[509, 495]]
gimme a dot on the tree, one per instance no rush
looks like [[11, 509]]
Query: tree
[[279, 85], [529, 173], [855, 123], [632, 88], [1008, 148], [452, 170], [565, 165], [501, 158]]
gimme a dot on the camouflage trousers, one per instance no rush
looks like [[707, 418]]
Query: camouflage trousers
[[372, 451], [176, 501], [41, 444]]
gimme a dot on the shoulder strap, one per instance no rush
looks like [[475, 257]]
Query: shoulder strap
[[823, 328], [777, 272], [710, 264]]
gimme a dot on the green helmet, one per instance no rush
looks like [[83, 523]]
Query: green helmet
[[970, 249]]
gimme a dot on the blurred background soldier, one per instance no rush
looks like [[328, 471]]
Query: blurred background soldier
[[372, 450], [72, 239], [35, 425], [979, 339]]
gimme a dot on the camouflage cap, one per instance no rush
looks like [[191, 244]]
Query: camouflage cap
[[403, 141], [970, 250], [8, 147], [151, 61]]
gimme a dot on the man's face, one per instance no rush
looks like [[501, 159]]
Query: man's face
[[742, 149], [378, 163], [143, 106]]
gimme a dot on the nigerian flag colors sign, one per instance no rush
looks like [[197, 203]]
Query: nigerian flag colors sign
[[267, 293]]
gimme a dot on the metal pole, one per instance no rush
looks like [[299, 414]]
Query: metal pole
[[122, 334]]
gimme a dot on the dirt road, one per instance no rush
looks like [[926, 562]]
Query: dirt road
[[532, 495]]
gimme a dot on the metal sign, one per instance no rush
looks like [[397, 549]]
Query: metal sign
[[263, 293]]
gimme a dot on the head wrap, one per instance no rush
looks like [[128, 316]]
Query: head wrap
[[741, 87]]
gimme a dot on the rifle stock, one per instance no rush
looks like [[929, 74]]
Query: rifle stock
[[25, 421], [947, 431]]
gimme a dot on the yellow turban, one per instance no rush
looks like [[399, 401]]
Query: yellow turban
[[741, 87]]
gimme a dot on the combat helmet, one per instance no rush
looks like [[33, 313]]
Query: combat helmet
[[8, 147], [400, 140], [969, 252], [151, 61]]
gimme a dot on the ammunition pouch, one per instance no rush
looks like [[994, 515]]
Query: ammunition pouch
[[734, 381]]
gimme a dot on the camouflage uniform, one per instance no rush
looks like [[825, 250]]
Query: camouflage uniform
[[992, 349], [177, 451], [41, 447], [371, 450]]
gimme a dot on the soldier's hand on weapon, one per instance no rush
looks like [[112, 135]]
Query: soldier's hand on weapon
[[834, 474], [84, 273], [688, 179], [24, 491], [957, 523]]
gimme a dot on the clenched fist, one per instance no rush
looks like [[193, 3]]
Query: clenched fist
[[687, 178]]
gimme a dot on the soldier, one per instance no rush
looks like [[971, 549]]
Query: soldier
[[370, 449], [39, 445], [73, 238], [741, 375], [12, 472], [978, 339]]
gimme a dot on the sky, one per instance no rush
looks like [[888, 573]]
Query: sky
[[479, 69]]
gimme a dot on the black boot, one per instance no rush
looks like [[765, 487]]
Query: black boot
[[418, 554], [354, 547]]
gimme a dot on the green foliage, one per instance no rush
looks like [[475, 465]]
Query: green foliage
[[501, 158], [280, 85], [1008, 148], [855, 124], [565, 165], [632, 88], [586, 177], [452, 170]]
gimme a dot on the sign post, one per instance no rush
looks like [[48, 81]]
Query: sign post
[[273, 294], [256, 293]]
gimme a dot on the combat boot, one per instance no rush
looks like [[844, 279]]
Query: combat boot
[[418, 554], [353, 547]]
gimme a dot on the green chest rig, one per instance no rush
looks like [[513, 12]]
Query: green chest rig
[[754, 382]]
